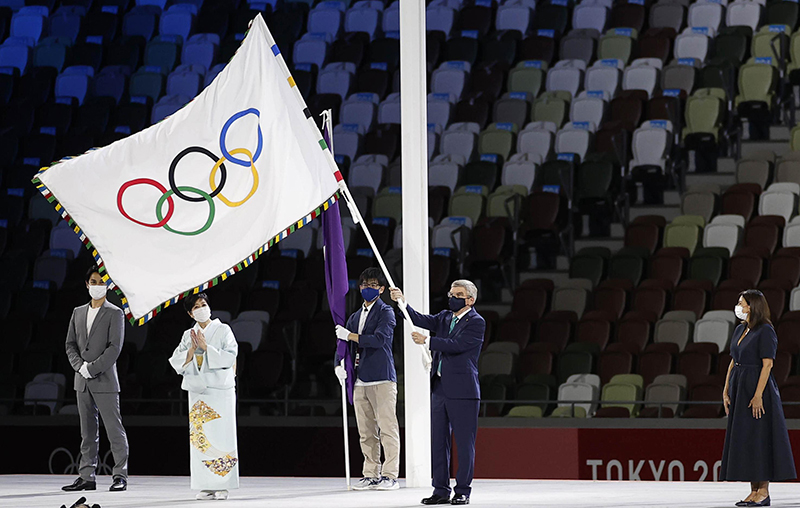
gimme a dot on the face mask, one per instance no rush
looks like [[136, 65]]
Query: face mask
[[202, 314], [457, 304], [740, 313], [98, 292], [370, 294]]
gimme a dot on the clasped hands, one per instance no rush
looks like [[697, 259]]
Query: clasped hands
[[198, 340]]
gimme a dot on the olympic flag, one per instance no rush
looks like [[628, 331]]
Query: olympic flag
[[190, 201]]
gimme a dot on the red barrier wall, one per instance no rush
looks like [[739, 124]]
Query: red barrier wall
[[603, 454]]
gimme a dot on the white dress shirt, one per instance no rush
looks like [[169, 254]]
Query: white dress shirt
[[90, 317], [361, 322]]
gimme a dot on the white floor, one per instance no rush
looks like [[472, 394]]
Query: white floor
[[30, 491]]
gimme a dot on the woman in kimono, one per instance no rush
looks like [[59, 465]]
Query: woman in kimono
[[757, 448], [206, 358]]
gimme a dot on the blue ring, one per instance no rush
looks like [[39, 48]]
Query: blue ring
[[228, 156]]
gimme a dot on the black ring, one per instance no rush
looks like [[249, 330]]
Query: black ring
[[177, 159]]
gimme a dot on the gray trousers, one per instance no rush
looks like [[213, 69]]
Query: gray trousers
[[107, 405]]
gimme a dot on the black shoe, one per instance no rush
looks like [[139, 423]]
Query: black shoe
[[434, 499], [120, 484], [764, 502], [80, 484], [460, 499], [742, 503]]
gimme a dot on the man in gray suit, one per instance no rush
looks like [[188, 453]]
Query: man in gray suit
[[94, 341]]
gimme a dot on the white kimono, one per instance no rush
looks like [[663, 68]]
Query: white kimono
[[210, 380]]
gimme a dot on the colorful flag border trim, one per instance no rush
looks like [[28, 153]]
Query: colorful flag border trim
[[201, 287], [239, 266]]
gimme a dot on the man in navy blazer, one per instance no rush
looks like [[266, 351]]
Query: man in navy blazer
[[456, 340], [370, 331]]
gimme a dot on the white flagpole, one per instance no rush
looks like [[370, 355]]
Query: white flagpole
[[326, 117], [358, 219], [345, 429], [348, 198]]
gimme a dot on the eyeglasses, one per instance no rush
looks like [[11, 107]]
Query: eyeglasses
[[373, 286], [451, 295]]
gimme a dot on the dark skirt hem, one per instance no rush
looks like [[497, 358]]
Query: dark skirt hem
[[759, 480]]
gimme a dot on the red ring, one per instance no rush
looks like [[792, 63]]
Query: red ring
[[155, 184]]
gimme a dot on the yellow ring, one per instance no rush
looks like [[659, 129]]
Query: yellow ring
[[242, 151]]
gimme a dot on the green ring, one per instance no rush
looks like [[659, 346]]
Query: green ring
[[201, 193]]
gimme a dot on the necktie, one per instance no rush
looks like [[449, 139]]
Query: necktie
[[452, 325]]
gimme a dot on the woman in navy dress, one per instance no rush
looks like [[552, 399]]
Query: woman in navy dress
[[757, 448]]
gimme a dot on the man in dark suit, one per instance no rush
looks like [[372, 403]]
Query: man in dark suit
[[456, 340], [94, 341], [370, 331]]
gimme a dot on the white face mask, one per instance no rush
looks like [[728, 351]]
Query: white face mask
[[98, 292], [202, 314], [740, 313]]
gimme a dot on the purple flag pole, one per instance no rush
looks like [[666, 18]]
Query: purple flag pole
[[337, 286]]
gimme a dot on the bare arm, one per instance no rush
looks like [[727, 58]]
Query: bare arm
[[757, 403], [726, 400]]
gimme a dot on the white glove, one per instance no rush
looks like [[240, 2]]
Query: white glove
[[84, 371], [342, 333], [340, 373]]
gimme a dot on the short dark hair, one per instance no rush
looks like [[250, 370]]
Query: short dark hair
[[759, 308], [92, 270], [189, 301], [372, 273]]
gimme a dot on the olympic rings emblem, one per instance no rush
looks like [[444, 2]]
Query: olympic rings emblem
[[179, 191]]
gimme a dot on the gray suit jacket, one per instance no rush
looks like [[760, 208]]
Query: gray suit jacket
[[100, 348]]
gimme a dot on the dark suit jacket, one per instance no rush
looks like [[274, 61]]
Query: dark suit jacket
[[100, 348], [376, 362], [459, 351]]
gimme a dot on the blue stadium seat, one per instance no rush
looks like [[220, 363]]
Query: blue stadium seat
[[440, 18], [148, 81], [389, 109], [177, 21], [360, 109], [161, 4], [213, 73], [324, 19], [62, 237], [51, 267], [168, 105], [440, 108], [363, 19], [74, 82], [17, 54], [163, 51], [50, 53], [338, 78], [451, 77], [201, 49], [311, 48], [140, 21], [14, 5], [391, 18], [65, 24], [184, 82], [29, 23], [348, 140], [110, 82]]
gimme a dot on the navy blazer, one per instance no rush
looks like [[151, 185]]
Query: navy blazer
[[459, 351], [376, 361]]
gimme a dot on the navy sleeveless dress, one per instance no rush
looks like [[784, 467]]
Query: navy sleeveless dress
[[755, 449]]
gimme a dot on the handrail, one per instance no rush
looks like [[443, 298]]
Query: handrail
[[287, 403]]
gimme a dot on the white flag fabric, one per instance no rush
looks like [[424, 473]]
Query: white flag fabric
[[193, 199]]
